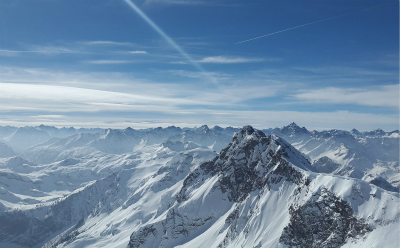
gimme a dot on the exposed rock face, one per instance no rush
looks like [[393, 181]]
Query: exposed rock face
[[141, 236], [323, 221], [252, 161], [174, 226]]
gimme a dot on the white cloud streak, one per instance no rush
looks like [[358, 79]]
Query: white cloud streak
[[40, 50], [107, 43], [229, 60], [65, 97], [108, 62], [384, 96], [138, 52]]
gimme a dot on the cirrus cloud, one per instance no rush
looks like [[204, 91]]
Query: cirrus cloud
[[229, 60], [383, 96]]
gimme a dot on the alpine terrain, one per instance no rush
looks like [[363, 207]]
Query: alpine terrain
[[198, 187]]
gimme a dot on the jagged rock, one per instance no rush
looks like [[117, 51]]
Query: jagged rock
[[323, 221], [250, 162]]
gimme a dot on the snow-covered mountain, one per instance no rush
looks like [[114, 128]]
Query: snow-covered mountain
[[6, 151], [25, 137], [6, 131], [109, 141], [66, 132], [118, 141], [364, 155], [372, 156], [215, 138], [259, 191]]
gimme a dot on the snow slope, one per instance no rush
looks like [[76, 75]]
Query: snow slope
[[259, 191], [363, 155], [6, 151]]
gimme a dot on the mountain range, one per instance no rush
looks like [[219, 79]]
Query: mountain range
[[198, 187]]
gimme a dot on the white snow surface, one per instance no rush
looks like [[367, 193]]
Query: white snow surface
[[101, 189]]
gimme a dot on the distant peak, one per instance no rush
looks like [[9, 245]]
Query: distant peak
[[203, 128], [173, 127], [217, 128], [293, 127]]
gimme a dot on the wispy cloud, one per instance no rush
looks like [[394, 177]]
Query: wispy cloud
[[384, 96], [349, 71], [39, 50], [108, 62], [107, 43], [229, 60], [138, 52], [35, 97], [116, 99], [39, 89]]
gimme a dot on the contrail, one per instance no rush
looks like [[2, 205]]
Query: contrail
[[168, 39], [306, 24]]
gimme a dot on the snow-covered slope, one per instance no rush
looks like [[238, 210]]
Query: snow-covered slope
[[38, 202], [66, 132], [25, 137], [115, 141], [363, 155], [259, 191], [6, 151], [215, 138], [6, 131]]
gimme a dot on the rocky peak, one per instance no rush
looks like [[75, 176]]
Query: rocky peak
[[217, 129], [379, 131], [203, 129], [250, 162], [253, 143], [293, 125], [248, 133], [293, 128], [173, 128]]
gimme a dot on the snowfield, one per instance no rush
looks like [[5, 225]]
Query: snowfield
[[199, 187]]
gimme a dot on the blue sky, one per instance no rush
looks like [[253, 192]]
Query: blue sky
[[149, 63]]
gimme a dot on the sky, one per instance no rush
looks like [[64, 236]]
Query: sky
[[331, 64]]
